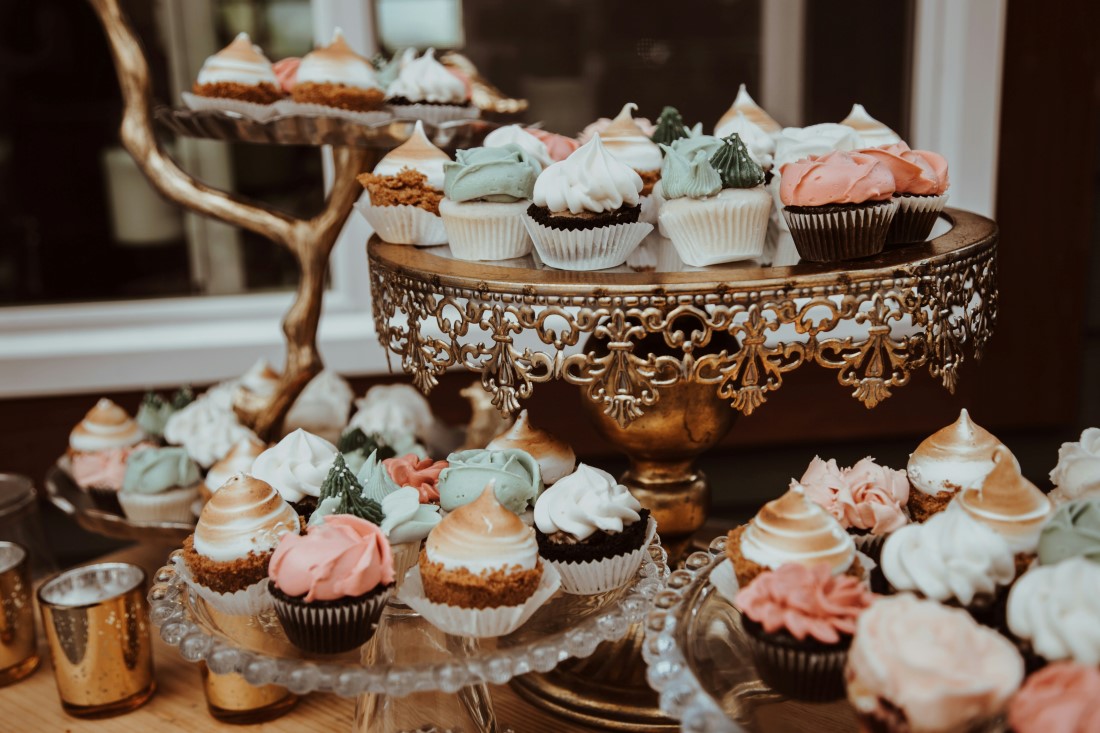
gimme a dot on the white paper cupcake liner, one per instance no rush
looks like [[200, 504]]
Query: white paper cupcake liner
[[651, 208], [167, 506], [659, 201], [403, 224], [600, 576], [724, 580], [251, 110], [248, 601], [728, 227], [586, 249], [434, 114], [405, 555], [483, 230], [915, 217], [290, 108], [480, 623]]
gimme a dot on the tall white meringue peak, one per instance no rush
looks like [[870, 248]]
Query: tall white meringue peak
[[591, 179], [760, 144], [874, 133], [1077, 474], [240, 62], [207, 429], [296, 466], [516, 135], [337, 63], [417, 153], [426, 80], [796, 143], [746, 105], [555, 457], [953, 458], [323, 406], [261, 379], [625, 140]]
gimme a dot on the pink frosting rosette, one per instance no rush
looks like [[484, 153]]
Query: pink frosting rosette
[[835, 178], [821, 481], [103, 469], [920, 172], [1063, 697], [420, 473], [865, 497], [286, 71], [558, 146], [807, 602], [342, 557]]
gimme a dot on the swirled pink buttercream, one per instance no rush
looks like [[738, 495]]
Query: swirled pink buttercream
[[342, 557], [1063, 697], [420, 473], [835, 178], [919, 172]]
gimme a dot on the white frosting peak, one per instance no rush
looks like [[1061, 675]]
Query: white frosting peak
[[336, 63], [323, 406], [104, 427], [482, 536], [426, 80], [207, 429], [1057, 609], [1077, 474], [588, 180], [417, 153], [245, 515], [405, 518], [625, 140], [796, 143], [515, 134], [296, 466], [873, 132], [393, 409], [240, 62], [555, 457], [585, 501], [744, 103], [760, 144], [261, 378]]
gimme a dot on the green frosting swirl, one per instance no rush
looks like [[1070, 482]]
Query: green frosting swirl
[[735, 165], [502, 174], [670, 127], [154, 411], [516, 474], [686, 146], [683, 177], [357, 445], [375, 479], [1073, 530], [341, 493], [156, 470]]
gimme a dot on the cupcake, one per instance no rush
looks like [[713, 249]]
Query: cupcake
[[532, 144], [1010, 505], [559, 147], [286, 71], [838, 206], [1077, 474], [791, 529], [99, 447], [715, 210], [515, 475], [336, 76], [760, 144], [592, 530], [745, 105], [425, 90], [479, 574], [918, 666], [239, 459], [207, 428], [418, 473], [670, 127], [799, 621], [954, 560], [1054, 612], [585, 211], [555, 457], [920, 182], [225, 560], [1062, 697], [597, 128], [341, 493], [160, 485], [1073, 531], [867, 499], [404, 191], [873, 133], [322, 408], [400, 417], [949, 460], [330, 585], [154, 411], [486, 192], [297, 466], [238, 73], [255, 388], [407, 523], [630, 145], [375, 480]]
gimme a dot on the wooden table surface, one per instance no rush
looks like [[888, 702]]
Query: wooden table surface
[[32, 705]]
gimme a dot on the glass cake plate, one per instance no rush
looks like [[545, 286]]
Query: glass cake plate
[[410, 676]]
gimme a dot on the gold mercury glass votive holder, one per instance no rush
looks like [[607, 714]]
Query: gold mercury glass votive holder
[[18, 643], [97, 626]]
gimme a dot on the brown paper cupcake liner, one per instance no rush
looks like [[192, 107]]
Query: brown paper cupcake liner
[[105, 500], [915, 218], [839, 232], [329, 627], [810, 674]]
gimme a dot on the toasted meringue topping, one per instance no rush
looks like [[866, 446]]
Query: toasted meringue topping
[[336, 63], [794, 529], [956, 457], [240, 62], [105, 426], [483, 536], [555, 457], [239, 459], [873, 132], [1008, 503], [245, 515], [629, 144], [416, 153], [746, 105]]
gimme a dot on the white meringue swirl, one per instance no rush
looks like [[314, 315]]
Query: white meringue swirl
[[296, 466], [796, 143], [1077, 474], [625, 140], [590, 179], [323, 406], [483, 536], [426, 80], [585, 501], [104, 427], [1057, 609], [405, 519], [336, 63], [874, 133], [246, 515], [207, 430], [516, 135]]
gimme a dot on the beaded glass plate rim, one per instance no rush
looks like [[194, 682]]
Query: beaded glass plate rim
[[170, 614]]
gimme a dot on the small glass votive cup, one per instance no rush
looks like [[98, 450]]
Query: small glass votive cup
[[96, 623], [18, 643]]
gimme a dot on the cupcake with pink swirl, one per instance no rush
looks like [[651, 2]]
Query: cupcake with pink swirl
[[1062, 697], [329, 586], [799, 621], [920, 182], [838, 206]]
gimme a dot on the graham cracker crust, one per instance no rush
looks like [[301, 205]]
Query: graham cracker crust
[[256, 93], [511, 587], [649, 180], [922, 505], [407, 188], [225, 577], [340, 96]]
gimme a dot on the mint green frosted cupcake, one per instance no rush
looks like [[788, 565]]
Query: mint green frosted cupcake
[[486, 191], [160, 485]]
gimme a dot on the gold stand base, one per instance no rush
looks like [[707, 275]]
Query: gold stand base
[[111, 709], [19, 671]]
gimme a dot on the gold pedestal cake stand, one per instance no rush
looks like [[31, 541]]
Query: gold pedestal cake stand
[[662, 352]]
